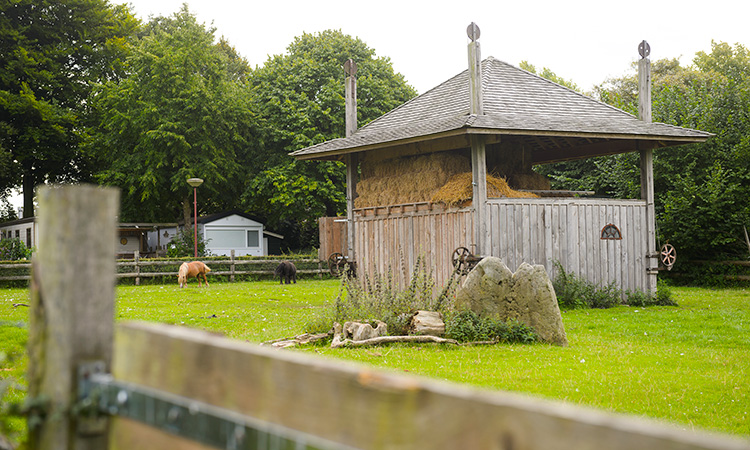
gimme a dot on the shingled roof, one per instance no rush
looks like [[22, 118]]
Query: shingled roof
[[556, 122]]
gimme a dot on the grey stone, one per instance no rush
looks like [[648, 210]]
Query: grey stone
[[492, 290]]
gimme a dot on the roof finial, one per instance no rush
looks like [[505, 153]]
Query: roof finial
[[644, 49], [473, 32]]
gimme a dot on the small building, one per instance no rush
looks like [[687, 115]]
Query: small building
[[224, 232], [23, 229]]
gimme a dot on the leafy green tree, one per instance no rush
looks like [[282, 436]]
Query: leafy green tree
[[301, 99], [182, 112], [550, 75], [50, 53]]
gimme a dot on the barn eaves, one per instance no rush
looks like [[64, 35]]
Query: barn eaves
[[555, 122]]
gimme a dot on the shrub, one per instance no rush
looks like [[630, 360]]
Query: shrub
[[13, 249], [574, 292], [183, 244], [467, 326]]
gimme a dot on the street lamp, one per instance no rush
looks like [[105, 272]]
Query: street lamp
[[195, 182]]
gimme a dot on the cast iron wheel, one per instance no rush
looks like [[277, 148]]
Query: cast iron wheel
[[336, 263], [460, 260], [668, 256]]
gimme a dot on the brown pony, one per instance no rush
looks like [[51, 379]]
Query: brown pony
[[192, 269]]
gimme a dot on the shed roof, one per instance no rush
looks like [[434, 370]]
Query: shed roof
[[556, 122]]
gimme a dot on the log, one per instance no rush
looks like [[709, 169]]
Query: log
[[339, 342]]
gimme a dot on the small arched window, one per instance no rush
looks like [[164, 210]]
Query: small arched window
[[611, 232]]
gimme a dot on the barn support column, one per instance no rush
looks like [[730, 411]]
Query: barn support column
[[351, 160], [647, 167]]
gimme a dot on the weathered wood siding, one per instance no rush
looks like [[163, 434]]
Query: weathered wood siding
[[542, 231], [394, 237], [536, 231]]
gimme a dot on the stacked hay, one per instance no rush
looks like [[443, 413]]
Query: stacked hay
[[531, 180], [406, 180], [458, 190]]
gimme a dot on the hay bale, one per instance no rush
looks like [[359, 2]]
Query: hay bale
[[458, 190], [409, 179]]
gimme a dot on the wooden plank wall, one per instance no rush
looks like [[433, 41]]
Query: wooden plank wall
[[386, 237], [541, 231], [333, 237], [536, 231]]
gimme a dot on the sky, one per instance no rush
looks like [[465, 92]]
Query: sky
[[583, 41]]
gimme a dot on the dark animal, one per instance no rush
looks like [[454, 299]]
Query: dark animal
[[286, 271]]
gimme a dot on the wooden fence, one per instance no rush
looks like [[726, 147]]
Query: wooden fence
[[139, 268], [181, 375]]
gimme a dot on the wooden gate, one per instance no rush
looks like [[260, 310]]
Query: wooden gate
[[261, 398]]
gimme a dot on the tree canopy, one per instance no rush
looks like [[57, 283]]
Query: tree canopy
[[51, 53], [183, 111], [301, 99]]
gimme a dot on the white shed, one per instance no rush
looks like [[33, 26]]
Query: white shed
[[225, 232]]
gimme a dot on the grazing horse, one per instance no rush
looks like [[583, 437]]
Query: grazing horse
[[286, 271], [192, 269]]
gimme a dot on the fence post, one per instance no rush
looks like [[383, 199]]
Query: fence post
[[137, 263], [231, 266], [72, 306]]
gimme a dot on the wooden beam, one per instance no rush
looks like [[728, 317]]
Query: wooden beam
[[601, 148]]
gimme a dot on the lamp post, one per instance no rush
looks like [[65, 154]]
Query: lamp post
[[195, 182]]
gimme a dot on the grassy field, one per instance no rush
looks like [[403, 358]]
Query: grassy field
[[689, 365]]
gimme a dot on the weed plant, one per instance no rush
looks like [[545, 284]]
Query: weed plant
[[574, 292], [380, 298], [467, 326]]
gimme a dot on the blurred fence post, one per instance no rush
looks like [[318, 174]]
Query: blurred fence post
[[72, 307]]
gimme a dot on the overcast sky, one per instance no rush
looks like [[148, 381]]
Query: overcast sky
[[585, 41]]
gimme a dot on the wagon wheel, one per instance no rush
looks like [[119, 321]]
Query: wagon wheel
[[460, 260], [668, 256], [335, 263]]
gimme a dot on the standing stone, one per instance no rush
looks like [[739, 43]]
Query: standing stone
[[492, 290], [486, 288]]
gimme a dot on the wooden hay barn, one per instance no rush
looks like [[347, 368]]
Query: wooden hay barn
[[496, 119]]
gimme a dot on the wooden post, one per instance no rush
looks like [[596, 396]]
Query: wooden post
[[478, 150], [72, 305], [352, 162], [231, 266], [647, 167], [137, 263]]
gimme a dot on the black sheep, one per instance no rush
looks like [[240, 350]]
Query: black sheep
[[286, 271]]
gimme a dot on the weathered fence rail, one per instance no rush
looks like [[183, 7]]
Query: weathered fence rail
[[144, 268], [273, 399]]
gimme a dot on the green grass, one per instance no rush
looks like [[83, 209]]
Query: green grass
[[687, 364]]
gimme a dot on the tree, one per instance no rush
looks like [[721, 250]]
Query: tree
[[52, 51], [182, 112], [301, 99], [549, 75]]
